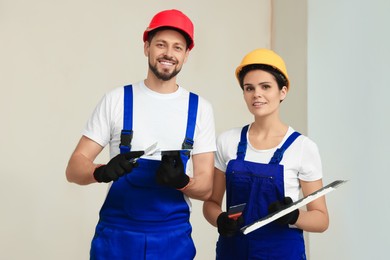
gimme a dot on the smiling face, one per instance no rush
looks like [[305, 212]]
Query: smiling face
[[262, 94], [167, 52]]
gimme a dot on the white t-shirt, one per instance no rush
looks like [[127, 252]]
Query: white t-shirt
[[301, 160], [157, 117]]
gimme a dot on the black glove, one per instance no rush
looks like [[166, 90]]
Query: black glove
[[228, 227], [116, 167], [290, 218], [171, 171]]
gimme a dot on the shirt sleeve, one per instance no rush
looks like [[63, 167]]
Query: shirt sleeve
[[311, 165], [226, 148], [220, 163], [205, 130], [98, 125]]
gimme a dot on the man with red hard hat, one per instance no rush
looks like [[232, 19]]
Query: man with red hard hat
[[174, 19], [147, 209]]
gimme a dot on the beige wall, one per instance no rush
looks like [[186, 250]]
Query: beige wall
[[289, 39], [57, 60]]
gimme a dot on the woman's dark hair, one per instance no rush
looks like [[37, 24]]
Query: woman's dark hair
[[153, 33], [279, 77]]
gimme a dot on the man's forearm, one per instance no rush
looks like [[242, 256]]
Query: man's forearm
[[80, 170]]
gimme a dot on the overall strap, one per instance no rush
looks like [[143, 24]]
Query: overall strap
[[278, 155], [127, 131], [191, 121], [241, 149]]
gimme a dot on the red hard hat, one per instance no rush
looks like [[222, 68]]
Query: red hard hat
[[172, 18]]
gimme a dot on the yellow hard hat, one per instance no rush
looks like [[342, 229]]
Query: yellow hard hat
[[266, 57]]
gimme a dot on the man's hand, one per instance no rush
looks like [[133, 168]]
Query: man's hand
[[171, 171], [228, 227], [290, 218], [116, 167]]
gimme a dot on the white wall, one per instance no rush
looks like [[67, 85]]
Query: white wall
[[57, 59], [348, 78]]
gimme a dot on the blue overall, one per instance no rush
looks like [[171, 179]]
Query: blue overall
[[258, 185], [141, 219]]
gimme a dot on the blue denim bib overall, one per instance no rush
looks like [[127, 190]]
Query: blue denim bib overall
[[141, 219], [258, 185]]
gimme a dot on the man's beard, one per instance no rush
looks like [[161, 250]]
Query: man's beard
[[161, 75]]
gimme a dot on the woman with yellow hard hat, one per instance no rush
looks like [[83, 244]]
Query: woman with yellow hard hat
[[264, 166]]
